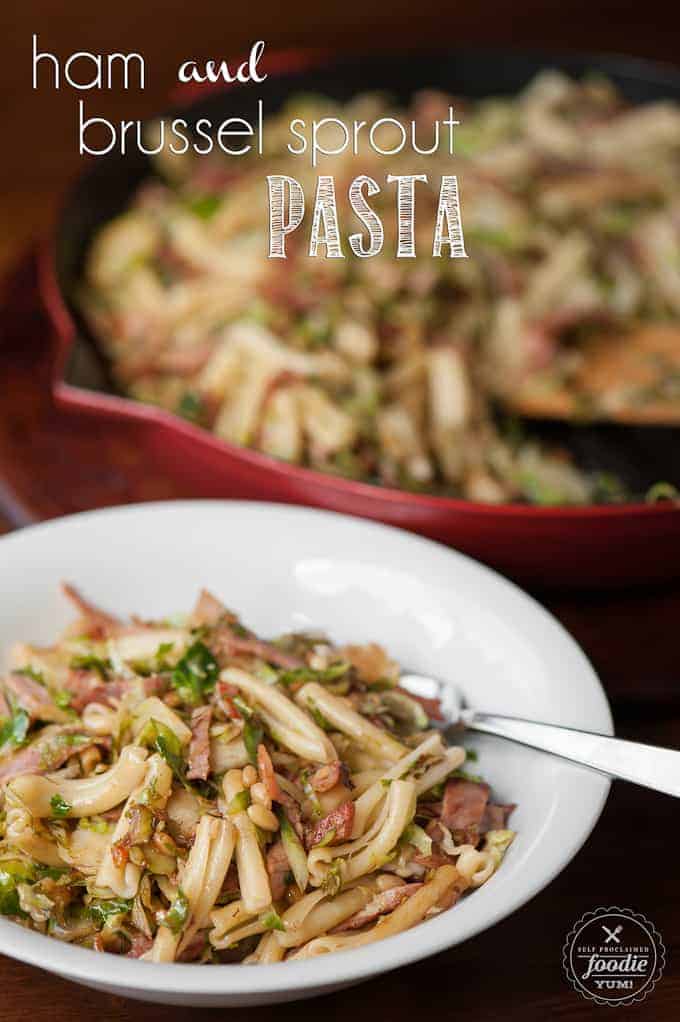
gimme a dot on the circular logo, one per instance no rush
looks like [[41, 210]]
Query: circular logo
[[613, 956]]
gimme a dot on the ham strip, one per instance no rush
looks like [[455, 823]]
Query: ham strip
[[199, 748], [265, 769], [94, 622], [339, 820], [384, 902], [495, 817], [279, 870], [87, 687], [463, 808], [48, 752], [227, 643], [208, 610], [33, 697], [140, 945]]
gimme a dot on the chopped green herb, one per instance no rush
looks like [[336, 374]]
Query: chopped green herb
[[178, 913], [271, 920], [332, 882], [9, 897], [205, 206], [253, 733], [318, 716], [158, 736], [62, 699], [190, 406], [31, 672], [14, 729], [239, 803], [89, 662], [103, 912], [242, 707], [297, 857], [301, 675], [60, 807], [195, 674], [416, 836]]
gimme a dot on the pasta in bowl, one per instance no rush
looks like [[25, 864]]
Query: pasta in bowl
[[186, 791], [288, 570]]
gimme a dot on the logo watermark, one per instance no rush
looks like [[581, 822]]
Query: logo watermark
[[614, 956]]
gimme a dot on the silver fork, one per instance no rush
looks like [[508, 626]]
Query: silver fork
[[648, 765]]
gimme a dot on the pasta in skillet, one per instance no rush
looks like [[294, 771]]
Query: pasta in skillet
[[195, 793]]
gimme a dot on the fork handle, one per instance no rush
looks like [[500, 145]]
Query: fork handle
[[648, 765]]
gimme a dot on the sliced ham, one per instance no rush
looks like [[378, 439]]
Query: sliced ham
[[339, 822], [199, 748], [265, 769], [432, 707], [87, 687], [48, 752], [463, 808], [383, 902], [495, 817], [140, 945], [33, 697], [227, 643], [293, 811], [208, 610], [278, 868], [93, 622]]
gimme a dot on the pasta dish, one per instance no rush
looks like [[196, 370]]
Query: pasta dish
[[410, 373], [182, 790]]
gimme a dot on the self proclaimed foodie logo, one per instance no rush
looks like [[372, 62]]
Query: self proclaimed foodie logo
[[614, 956]]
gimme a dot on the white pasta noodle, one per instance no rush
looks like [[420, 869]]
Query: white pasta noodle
[[361, 857], [154, 709], [200, 884], [123, 879], [87, 796], [294, 720], [327, 913], [101, 720], [21, 835], [267, 951], [340, 714], [227, 755], [252, 872], [406, 915], [372, 796]]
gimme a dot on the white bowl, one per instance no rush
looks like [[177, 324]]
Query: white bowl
[[288, 568]]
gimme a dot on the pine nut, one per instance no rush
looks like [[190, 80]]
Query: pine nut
[[249, 775], [262, 817], [259, 794]]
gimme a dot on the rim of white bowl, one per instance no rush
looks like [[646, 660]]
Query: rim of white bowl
[[344, 967]]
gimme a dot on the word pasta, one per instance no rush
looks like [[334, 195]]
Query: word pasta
[[287, 211]]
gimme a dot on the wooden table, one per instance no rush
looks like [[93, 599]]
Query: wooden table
[[49, 465]]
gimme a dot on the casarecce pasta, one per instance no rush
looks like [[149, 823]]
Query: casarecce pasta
[[409, 372], [192, 792]]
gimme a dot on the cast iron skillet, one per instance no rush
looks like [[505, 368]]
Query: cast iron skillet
[[595, 545]]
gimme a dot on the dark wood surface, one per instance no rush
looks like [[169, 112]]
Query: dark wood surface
[[51, 464]]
